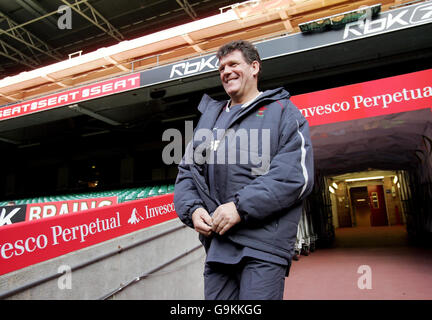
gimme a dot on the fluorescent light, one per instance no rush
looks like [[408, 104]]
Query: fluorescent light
[[331, 189], [362, 179], [94, 133], [9, 140], [95, 115], [335, 185], [29, 145], [395, 180], [179, 118]]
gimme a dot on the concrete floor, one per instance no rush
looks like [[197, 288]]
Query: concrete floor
[[394, 269]]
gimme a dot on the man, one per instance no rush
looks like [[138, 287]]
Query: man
[[246, 211]]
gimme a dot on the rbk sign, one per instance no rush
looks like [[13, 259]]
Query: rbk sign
[[194, 66], [12, 214], [389, 21]]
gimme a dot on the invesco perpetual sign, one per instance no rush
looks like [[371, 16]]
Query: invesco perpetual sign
[[194, 66], [393, 20]]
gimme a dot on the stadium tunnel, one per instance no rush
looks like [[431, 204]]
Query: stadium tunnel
[[370, 171]]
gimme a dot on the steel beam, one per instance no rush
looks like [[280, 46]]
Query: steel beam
[[28, 39], [37, 11], [187, 8], [38, 19], [12, 53], [95, 18]]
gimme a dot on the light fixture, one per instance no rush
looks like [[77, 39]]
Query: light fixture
[[335, 185], [95, 115], [190, 116], [331, 189], [395, 180], [398, 185], [362, 179], [339, 20], [9, 141]]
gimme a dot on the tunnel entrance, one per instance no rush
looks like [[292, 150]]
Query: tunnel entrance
[[366, 199]]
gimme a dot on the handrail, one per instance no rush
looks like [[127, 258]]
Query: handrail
[[146, 274], [87, 263]]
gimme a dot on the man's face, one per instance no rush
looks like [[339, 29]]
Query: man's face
[[237, 76]]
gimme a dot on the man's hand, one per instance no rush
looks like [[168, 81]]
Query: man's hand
[[224, 217], [202, 221]]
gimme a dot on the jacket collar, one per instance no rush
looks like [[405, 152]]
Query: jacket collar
[[275, 94], [211, 108]]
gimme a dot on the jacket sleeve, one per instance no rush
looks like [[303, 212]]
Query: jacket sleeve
[[290, 175], [186, 196]]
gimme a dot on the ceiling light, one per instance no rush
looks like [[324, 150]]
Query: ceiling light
[[362, 179], [335, 185], [331, 189], [95, 115], [179, 118], [395, 180]]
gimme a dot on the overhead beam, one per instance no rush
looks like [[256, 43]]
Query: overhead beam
[[95, 18], [286, 21], [37, 19], [187, 8], [58, 82], [27, 38], [36, 10], [192, 43], [12, 53], [95, 115], [8, 97], [116, 63]]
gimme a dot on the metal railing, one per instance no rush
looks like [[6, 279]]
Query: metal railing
[[35, 283]]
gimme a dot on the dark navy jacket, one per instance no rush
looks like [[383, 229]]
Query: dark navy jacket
[[268, 197]]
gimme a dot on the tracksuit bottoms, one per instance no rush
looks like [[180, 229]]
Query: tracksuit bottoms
[[251, 279]]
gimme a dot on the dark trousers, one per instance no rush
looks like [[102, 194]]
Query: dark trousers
[[251, 279]]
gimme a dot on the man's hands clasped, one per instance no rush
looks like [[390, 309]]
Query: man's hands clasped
[[224, 218]]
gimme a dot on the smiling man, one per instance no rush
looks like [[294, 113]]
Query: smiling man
[[247, 222]]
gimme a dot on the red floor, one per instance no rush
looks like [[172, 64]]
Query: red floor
[[398, 271]]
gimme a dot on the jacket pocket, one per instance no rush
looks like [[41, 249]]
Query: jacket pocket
[[286, 231]]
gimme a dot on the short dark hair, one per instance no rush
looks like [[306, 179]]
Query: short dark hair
[[250, 53]]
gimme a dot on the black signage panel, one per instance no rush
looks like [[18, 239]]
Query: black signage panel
[[392, 20], [12, 214]]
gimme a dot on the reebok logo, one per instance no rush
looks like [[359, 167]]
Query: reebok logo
[[392, 20], [12, 214], [422, 14], [191, 67]]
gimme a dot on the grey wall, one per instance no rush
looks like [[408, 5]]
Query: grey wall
[[182, 279]]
